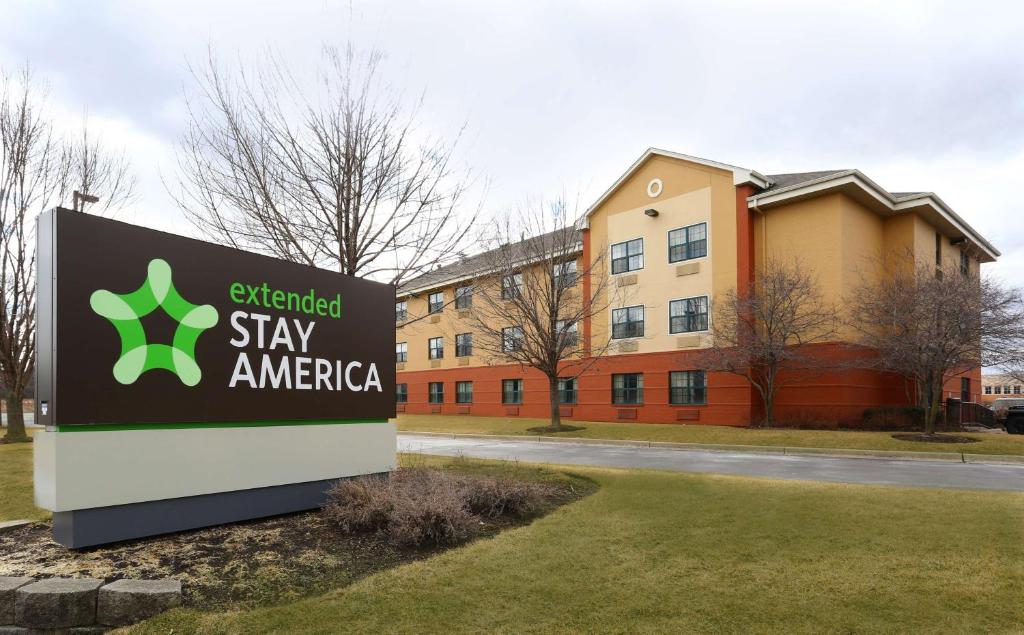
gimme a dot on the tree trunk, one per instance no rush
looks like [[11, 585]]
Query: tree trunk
[[769, 410], [932, 410], [15, 420], [556, 413]]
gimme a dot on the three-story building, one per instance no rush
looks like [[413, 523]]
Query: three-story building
[[677, 232]]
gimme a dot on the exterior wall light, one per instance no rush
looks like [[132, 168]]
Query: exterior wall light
[[650, 211]]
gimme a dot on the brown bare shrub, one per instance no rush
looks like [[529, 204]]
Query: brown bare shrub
[[494, 497], [418, 507]]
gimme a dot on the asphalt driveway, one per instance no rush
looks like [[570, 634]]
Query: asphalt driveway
[[910, 473]]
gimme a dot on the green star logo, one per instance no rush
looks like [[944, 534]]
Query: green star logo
[[125, 312]]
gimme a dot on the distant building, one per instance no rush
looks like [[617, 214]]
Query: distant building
[[1000, 386], [679, 231]]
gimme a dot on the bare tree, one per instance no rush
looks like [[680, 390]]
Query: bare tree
[[340, 178], [39, 169], [530, 301], [929, 324], [762, 335]]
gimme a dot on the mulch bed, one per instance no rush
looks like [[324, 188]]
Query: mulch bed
[[934, 438], [562, 428], [243, 564]]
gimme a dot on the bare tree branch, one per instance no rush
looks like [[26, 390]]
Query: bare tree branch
[[763, 335], [342, 178], [529, 300], [38, 170], [927, 324]]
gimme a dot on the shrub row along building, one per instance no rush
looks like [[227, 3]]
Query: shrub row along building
[[676, 232]]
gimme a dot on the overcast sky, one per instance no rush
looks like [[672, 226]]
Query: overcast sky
[[563, 96]]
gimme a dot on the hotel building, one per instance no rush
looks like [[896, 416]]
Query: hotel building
[[677, 232]]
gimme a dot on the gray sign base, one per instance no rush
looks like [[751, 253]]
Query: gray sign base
[[101, 525]]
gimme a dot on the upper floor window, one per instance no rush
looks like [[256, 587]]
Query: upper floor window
[[628, 256], [1016, 389], [401, 352], [988, 390], [564, 274], [628, 388], [628, 322], [463, 344], [511, 286], [401, 311], [512, 339], [999, 390], [512, 391], [688, 315], [965, 263], [570, 330], [435, 302], [687, 243], [687, 387], [436, 347], [401, 393], [463, 297]]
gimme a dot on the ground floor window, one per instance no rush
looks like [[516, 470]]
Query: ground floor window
[[687, 387], [512, 391], [463, 392], [436, 392], [401, 393], [628, 388], [567, 390]]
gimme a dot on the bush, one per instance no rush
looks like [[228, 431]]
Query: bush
[[894, 418], [419, 507], [494, 497]]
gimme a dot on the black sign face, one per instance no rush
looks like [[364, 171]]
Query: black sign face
[[140, 326]]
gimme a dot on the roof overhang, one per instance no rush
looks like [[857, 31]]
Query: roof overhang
[[740, 175], [854, 184]]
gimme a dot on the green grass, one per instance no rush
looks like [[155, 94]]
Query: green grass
[[16, 483], [667, 552], [841, 439]]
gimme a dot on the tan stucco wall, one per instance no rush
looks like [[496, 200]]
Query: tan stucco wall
[[692, 193]]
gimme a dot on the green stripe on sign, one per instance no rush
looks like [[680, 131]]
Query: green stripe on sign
[[117, 427]]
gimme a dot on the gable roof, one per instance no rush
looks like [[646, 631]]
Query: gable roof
[[739, 175]]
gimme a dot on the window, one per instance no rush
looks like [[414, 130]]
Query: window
[[401, 352], [512, 339], [628, 256], [688, 315], [999, 390], [463, 392], [1016, 389], [965, 263], [567, 390], [687, 387], [401, 311], [688, 243], [436, 345], [435, 302], [938, 249], [401, 393], [436, 392], [628, 388], [988, 390], [463, 297], [628, 322], [565, 274], [463, 344], [511, 286], [512, 391], [571, 331]]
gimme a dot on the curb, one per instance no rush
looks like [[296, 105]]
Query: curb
[[884, 455]]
